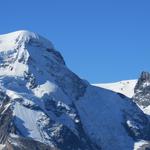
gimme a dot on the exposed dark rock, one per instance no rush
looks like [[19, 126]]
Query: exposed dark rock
[[142, 90], [20, 143], [5, 117]]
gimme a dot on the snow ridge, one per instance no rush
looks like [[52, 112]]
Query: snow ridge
[[125, 87]]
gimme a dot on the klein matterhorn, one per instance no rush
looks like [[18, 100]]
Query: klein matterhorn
[[45, 106]]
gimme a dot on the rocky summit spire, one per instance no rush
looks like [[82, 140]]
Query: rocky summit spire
[[145, 76], [142, 90]]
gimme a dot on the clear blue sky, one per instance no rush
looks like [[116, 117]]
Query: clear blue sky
[[101, 40]]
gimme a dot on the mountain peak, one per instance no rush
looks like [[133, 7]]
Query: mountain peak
[[22, 49], [20, 33], [25, 34], [11, 40], [32, 58]]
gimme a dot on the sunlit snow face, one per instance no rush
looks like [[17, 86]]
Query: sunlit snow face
[[20, 48]]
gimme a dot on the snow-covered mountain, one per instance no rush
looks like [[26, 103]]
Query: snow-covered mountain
[[45, 106]]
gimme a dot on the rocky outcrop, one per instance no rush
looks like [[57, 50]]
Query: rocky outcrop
[[21, 143], [142, 90], [6, 126]]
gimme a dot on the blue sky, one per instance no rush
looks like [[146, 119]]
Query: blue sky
[[101, 40]]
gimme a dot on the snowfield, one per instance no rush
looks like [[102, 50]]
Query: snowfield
[[125, 87]]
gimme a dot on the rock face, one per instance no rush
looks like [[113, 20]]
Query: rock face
[[142, 90], [17, 143], [45, 106]]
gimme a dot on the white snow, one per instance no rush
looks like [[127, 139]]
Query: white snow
[[2, 146], [125, 87], [146, 110], [45, 88], [26, 121], [138, 145]]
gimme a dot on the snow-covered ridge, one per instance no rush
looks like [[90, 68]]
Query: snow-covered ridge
[[125, 87]]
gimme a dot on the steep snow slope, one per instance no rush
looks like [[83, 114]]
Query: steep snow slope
[[125, 87], [42, 102], [110, 120]]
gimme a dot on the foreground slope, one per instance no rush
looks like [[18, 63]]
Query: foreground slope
[[44, 104]]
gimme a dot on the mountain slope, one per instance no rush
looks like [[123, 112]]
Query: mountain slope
[[44, 104], [140, 93]]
